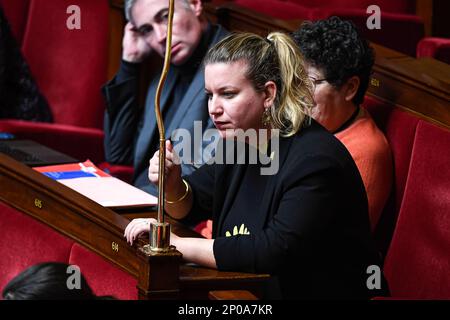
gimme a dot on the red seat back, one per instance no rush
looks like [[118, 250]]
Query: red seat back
[[417, 264], [399, 128], [103, 277], [26, 242], [69, 66]]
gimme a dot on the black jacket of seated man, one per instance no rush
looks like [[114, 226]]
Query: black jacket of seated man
[[131, 135], [19, 95]]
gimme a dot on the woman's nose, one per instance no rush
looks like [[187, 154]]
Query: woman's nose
[[214, 106]]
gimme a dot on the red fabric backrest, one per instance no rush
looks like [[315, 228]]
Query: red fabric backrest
[[69, 65], [103, 277], [399, 128], [16, 12], [25, 242], [74, 141], [418, 264]]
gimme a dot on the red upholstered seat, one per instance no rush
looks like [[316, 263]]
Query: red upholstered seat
[[437, 48], [124, 173], [417, 264], [69, 66], [103, 277], [25, 242], [399, 128], [81, 143]]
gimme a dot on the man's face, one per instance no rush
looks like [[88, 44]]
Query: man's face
[[150, 18]]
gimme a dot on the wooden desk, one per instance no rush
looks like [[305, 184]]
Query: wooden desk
[[101, 230]]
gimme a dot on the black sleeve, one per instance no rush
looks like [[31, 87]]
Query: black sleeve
[[122, 114], [202, 182], [306, 205]]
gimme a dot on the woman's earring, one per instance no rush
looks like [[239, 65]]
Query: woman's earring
[[266, 117]]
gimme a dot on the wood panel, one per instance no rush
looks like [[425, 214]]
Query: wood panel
[[424, 9]]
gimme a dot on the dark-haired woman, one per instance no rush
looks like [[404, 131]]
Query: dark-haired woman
[[339, 63]]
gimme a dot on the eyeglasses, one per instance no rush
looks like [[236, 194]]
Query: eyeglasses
[[315, 81]]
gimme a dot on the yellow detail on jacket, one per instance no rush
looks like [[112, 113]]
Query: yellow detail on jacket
[[242, 230]]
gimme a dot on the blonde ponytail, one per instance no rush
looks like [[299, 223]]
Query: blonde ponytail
[[296, 98]]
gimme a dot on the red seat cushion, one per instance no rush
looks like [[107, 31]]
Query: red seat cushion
[[418, 264], [103, 277], [25, 242], [124, 173], [80, 143]]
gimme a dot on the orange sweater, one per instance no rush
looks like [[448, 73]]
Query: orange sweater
[[371, 152]]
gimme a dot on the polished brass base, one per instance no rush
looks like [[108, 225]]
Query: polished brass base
[[159, 236]]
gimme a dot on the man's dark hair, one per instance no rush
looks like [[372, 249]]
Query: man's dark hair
[[335, 47], [47, 281]]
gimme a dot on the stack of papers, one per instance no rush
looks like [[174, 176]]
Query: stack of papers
[[97, 185]]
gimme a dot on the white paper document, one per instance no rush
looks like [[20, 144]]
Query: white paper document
[[111, 192]]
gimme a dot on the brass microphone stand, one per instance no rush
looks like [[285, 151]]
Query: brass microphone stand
[[160, 230]]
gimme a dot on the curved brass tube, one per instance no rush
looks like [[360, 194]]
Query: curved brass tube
[[159, 119]]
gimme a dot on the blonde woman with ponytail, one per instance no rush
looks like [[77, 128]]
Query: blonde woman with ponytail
[[306, 224]]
